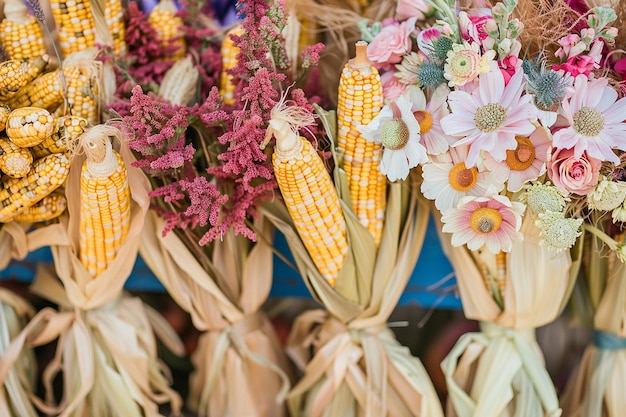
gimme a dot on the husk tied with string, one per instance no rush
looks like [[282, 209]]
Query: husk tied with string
[[499, 371], [351, 362], [106, 347]]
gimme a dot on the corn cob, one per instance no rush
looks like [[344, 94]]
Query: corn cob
[[13, 76], [168, 28], [20, 32], [104, 201], [309, 194], [17, 194], [15, 161], [75, 25], [29, 126], [35, 66], [47, 208], [360, 100], [44, 91], [67, 129], [229, 54], [114, 15], [81, 93], [4, 116]]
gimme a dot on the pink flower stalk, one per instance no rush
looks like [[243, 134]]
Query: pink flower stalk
[[493, 222], [392, 43], [594, 120], [572, 174], [489, 118]]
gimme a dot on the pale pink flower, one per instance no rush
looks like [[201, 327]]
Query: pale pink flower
[[525, 163], [392, 86], [577, 65], [429, 115], [572, 174], [392, 43], [571, 45], [489, 118], [406, 9], [425, 39], [447, 182], [473, 27], [464, 63], [594, 119], [492, 221]]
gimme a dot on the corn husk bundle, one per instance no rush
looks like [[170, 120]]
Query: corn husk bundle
[[240, 368], [500, 371], [106, 345], [351, 362], [596, 386]]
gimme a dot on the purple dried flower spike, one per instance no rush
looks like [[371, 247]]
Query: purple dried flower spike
[[36, 9]]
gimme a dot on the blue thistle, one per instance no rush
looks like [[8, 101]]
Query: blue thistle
[[441, 46], [549, 87], [430, 75]]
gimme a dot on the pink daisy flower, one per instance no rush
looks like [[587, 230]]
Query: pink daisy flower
[[596, 120], [448, 182], [493, 222], [525, 163], [429, 117], [491, 116]]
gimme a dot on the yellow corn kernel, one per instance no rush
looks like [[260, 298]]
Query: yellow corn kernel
[[4, 116], [311, 199], [67, 129], [29, 126], [44, 91], [20, 32], [36, 65], [82, 92], [114, 16], [48, 208], [104, 202], [360, 100], [229, 54], [46, 175], [15, 161], [13, 76], [168, 27], [75, 25]]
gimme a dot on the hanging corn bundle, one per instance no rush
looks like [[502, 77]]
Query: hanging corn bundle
[[308, 191], [20, 32], [229, 54], [360, 100], [75, 25], [168, 28], [114, 16], [104, 201]]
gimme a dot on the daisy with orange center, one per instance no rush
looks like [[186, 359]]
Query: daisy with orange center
[[524, 163], [448, 181], [493, 222], [429, 117]]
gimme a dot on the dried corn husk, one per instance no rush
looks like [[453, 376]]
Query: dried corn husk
[[106, 346], [240, 369], [180, 83], [499, 371]]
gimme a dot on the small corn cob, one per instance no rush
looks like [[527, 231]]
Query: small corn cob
[[104, 201], [44, 91], [48, 208], [29, 126], [67, 129], [309, 194], [15, 161], [360, 100], [46, 175], [4, 116], [229, 54], [36, 65], [114, 15], [81, 94], [168, 27], [20, 32], [13, 76], [75, 25]]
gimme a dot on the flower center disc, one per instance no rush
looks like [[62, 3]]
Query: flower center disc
[[588, 121], [425, 120], [523, 156], [462, 178], [486, 220], [395, 134], [490, 117], [464, 63]]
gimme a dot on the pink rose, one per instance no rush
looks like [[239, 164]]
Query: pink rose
[[406, 9], [392, 43], [574, 175], [392, 87], [473, 27], [578, 64]]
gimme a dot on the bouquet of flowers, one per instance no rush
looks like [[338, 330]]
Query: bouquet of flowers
[[516, 129]]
